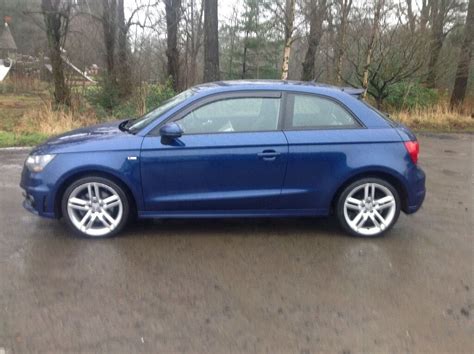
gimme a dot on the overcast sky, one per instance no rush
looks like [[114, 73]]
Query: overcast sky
[[225, 6]]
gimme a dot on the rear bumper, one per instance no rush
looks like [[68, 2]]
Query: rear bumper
[[416, 192]]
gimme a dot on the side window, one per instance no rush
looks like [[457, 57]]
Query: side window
[[311, 111], [233, 115]]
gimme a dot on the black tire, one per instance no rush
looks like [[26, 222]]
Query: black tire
[[345, 193], [125, 205]]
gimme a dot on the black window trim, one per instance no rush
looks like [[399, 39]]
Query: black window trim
[[289, 110], [220, 96]]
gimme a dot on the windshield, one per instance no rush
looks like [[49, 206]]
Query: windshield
[[139, 123]]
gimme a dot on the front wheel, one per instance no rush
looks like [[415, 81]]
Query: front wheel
[[368, 207], [95, 207]]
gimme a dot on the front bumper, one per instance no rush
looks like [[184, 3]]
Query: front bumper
[[29, 203], [37, 194]]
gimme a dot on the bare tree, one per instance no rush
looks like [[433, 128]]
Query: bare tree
[[57, 15], [211, 41], [109, 25], [378, 7], [317, 14], [424, 14], [289, 28], [462, 72], [397, 55], [441, 13], [118, 56], [124, 70], [173, 9], [249, 25], [437, 20], [411, 16], [193, 29], [343, 8], [232, 39]]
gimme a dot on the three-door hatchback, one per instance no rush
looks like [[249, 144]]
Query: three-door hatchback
[[232, 149]]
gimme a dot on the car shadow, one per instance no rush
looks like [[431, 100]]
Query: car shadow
[[250, 227]]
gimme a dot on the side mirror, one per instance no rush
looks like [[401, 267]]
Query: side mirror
[[171, 130]]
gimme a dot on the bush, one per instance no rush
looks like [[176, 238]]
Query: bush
[[106, 100], [104, 97], [157, 94], [411, 96]]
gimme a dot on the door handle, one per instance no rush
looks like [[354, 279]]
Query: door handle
[[268, 154]]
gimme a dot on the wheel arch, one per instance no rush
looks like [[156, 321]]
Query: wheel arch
[[92, 173], [393, 178]]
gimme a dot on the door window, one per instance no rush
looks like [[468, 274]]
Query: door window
[[310, 111], [233, 115]]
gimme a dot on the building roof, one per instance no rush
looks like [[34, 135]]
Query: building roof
[[6, 39]]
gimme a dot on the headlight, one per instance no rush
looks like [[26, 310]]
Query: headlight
[[36, 163]]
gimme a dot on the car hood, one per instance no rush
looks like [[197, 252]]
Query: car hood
[[107, 136]]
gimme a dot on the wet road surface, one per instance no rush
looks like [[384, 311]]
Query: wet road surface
[[275, 286]]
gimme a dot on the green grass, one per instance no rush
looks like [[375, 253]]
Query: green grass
[[8, 139]]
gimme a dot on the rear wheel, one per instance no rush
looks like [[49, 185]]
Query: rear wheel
[[95, 207], [368, 207]]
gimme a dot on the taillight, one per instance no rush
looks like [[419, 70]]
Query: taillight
[[413, 149]]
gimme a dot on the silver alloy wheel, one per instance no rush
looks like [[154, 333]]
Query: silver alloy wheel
[[369, 209], [95, 208]]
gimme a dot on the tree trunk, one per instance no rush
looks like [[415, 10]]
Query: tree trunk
[[173, 8], [211, 41], [345, 8], [56, 19], [124, 70], [109, 25], [244, 59], [233, 35], [424, 14], [286, 60], [317, 16], [411, 16], [289, 28], [437, 38], [370, 46], [462, 72], [195, 38]]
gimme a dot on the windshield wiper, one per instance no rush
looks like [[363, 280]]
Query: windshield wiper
[[124, 126]]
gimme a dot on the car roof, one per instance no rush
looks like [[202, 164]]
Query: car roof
[[284, 85]]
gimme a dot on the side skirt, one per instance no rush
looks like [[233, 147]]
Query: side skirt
[[233, 213]]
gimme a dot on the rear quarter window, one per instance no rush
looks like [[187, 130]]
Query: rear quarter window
[[315, 112], [382, 115]]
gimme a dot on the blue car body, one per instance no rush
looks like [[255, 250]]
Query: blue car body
[[285, 172]]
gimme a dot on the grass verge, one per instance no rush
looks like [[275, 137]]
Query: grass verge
[[27, 119], [48, 121], [437, 119], [8, 139]]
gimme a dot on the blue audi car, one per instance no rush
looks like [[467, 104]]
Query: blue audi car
[[232, 149]]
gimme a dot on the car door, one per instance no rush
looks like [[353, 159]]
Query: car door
[[323, 137], [232, 156]]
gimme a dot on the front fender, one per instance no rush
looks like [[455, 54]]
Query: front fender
[[69, 167]]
